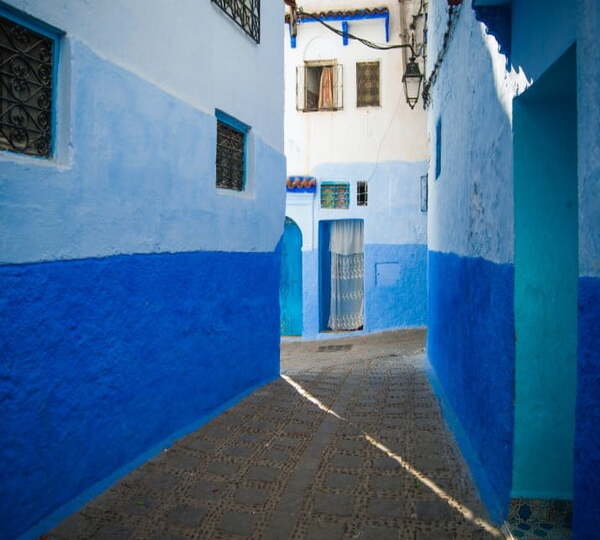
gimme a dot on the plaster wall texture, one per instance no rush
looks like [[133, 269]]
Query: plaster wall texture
[[470, 240], [471, 215], [106, 358], [364, 134], [191, 50], [140, 178], [128, 279], [587, 426]]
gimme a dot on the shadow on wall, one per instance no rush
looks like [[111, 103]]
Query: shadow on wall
[[473, 350]]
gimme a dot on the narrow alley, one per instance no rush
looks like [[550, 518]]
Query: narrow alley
[[348, 443]]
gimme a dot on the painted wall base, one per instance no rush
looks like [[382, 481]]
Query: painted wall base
[[105, 358], [395, 290], [586, 505], [471, 349]]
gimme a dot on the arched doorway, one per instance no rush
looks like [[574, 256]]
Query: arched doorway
[[290, 287]]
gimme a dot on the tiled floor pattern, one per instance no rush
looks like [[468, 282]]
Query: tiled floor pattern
[[535, 519], [277, 466]]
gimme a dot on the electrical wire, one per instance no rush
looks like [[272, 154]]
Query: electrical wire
[[364, 41]]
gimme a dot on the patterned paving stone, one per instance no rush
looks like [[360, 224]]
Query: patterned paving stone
[[325, 531], [186, 515], [339, 505], [240, 523], [278, 467]]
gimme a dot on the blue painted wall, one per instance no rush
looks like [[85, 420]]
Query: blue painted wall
[[546, 271], [290, 285], [103, 358], [587, 435], [470, 346], [395, 245], [130, 285]]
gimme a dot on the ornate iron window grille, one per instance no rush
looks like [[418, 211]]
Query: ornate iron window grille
[[245, 13], [26, 72], [231, 159], [335, 195], [367, 84], [362, 193]]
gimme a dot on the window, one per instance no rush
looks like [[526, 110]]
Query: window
[[245, 13], [27, 61], [231, 152], [319, 86], [362, 193], [438, 148], [335, 195], [367, 84]]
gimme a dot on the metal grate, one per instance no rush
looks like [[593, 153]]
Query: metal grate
[[230, 157], [362, 193], [367, 84], [335, 195], [245, 13], [25, 90], [333, 348]]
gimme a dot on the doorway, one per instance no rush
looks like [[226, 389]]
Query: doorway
[[290, 287], [341, 275], [546, 270]]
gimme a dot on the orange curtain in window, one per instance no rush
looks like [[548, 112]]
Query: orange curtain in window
[[326, 89]]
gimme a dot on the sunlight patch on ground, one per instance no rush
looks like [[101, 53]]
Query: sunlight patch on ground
[[453, 503]]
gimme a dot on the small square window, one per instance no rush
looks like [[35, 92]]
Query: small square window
[[319, 86], [335, 195], [27, 60], [367, 84], [438, 148], [231, 152], [362, 193]]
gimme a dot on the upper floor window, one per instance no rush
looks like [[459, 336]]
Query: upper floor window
[[362, 193], [367, 84], [245, 13], [319, 86], [231, 152], [335, 195], [27, 62]]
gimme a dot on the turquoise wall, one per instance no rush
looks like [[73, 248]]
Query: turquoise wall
[[546, 272], [290, 293]]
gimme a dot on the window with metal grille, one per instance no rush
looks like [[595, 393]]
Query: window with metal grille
[[362, 193], [319, 86], [27, 60], [231, 152], [335, 195], [367, 84], [245, 13], [438, 148]]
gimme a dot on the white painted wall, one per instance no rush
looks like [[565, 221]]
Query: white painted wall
[[391, 132], [188, 48], [135, 169]]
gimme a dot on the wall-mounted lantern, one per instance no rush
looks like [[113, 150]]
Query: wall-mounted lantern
[[412, 80]]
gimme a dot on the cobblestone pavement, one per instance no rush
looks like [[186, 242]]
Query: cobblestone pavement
[[348, 444]]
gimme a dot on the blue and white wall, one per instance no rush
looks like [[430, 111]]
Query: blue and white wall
[[475, 289], [130, 284], [385, 146]]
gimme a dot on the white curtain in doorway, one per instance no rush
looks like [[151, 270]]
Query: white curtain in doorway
[[347, 275]]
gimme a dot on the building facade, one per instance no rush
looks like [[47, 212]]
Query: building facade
[[514, 248], [356, 153], [141, 152]]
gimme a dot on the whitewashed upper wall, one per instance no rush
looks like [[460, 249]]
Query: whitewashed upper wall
[[471, 203], [188, 48], [391, 132]]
